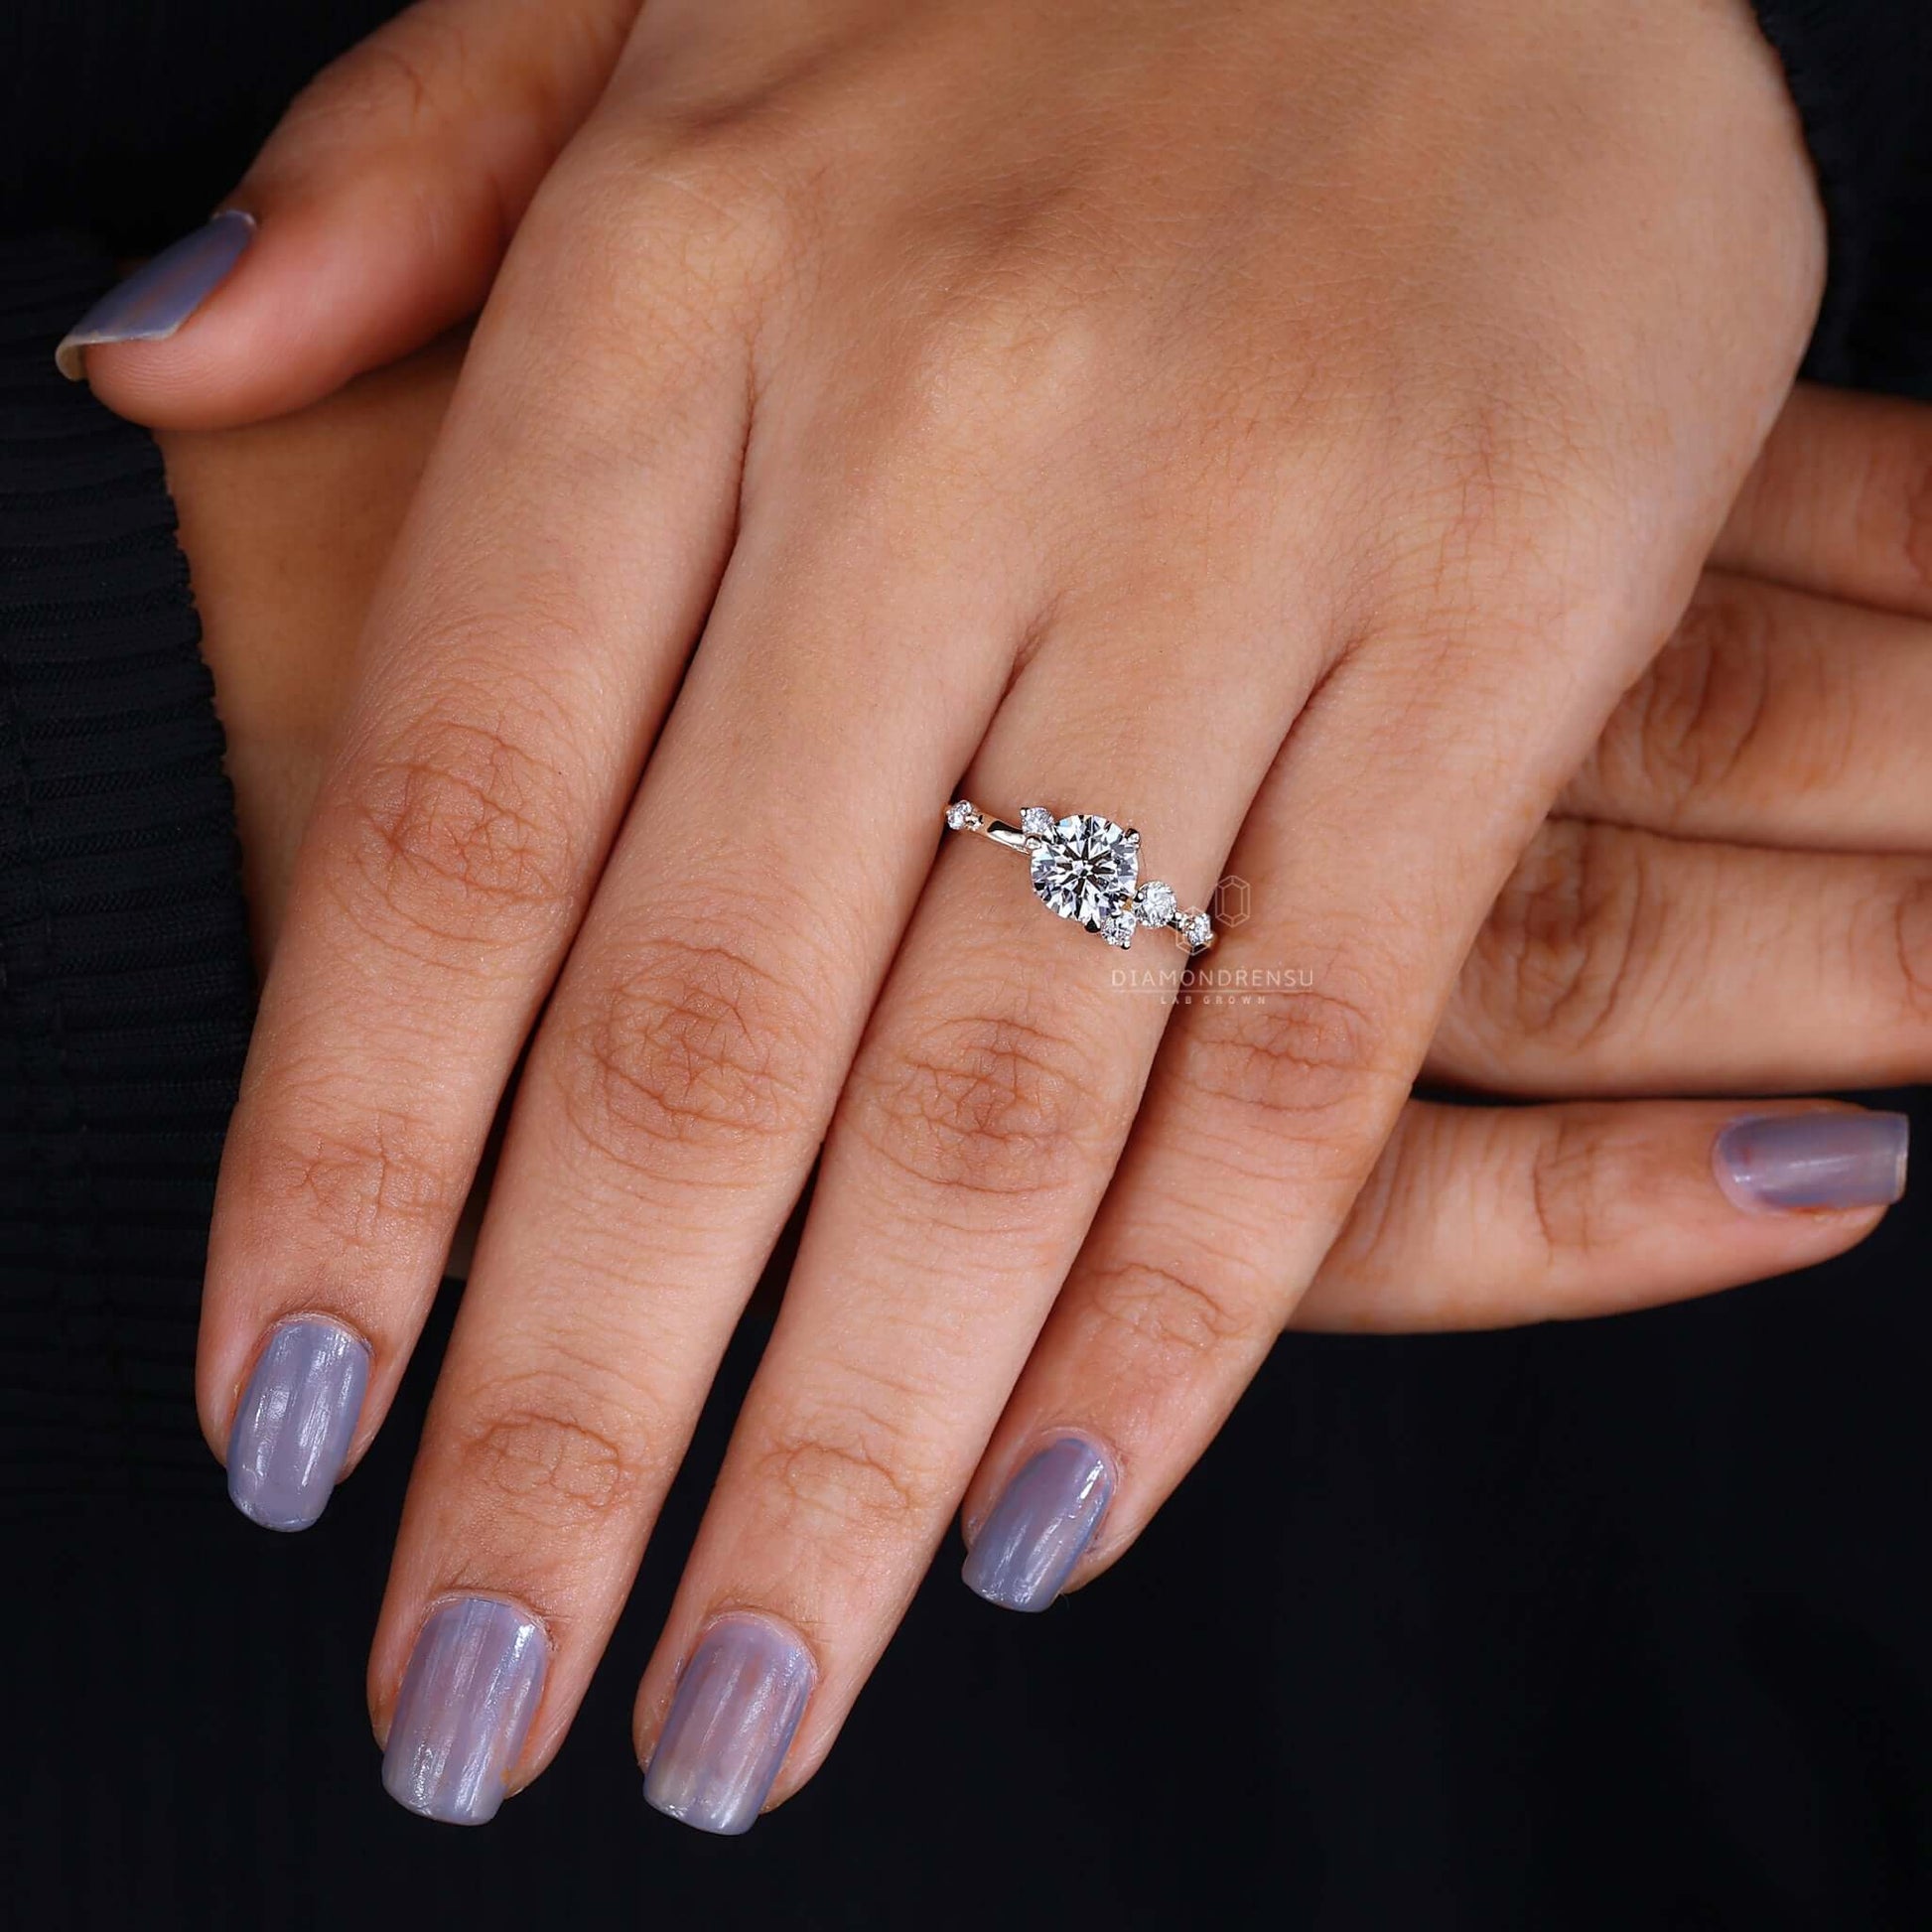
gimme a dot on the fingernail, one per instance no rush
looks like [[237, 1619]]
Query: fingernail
[[161, 294], [1788, 1161], [1041, 1526], [472, 1688], [736, 1708], [292, 1426]]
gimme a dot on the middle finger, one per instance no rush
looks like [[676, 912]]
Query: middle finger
[[1617, 961], [978, 1129]]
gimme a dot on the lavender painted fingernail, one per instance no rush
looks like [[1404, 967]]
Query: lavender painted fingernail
[[293, 1426], [1041, 1526], [1822, 1161], [737, 1709], [473, 1683], [161, 294]]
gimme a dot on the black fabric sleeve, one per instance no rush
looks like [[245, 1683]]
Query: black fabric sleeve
[[1861, 74], [126, 991]]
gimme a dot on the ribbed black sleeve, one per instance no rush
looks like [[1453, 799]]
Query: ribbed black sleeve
[[125, 985], [1861, 74]]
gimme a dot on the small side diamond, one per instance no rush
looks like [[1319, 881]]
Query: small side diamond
[[1157, 903], [1037, 822], [961, 816], [1117, 929], [1197, 928]]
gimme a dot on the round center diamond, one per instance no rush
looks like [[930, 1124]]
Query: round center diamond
[[1084, 867]]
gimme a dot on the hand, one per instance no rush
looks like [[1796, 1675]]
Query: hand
[[1056, 350], [1769, 764]]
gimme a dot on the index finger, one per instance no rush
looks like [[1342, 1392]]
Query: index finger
[[557, 567]]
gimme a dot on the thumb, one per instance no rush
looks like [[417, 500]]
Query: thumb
[[373, 220]]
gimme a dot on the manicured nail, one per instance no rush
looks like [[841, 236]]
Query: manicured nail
[[1788, 1161], [731, 1722], [292, 1426], [473, 1686], [161, 294], [1041, 1526]]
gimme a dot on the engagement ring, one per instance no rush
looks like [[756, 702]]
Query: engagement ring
[[1088, 869]]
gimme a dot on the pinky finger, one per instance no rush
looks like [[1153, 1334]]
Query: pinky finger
[[1475, 1217], [1485, 1217]]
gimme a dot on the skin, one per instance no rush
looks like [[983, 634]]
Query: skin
[[1771, 763], [1369, 436]]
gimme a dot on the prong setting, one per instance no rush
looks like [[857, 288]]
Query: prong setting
[[1086, 868]]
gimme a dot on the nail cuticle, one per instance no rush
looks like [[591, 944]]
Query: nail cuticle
[[321, 1317]]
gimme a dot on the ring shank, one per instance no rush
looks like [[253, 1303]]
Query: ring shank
[[1000, 833]]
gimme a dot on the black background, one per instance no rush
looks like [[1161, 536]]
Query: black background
[[1616, 1625]]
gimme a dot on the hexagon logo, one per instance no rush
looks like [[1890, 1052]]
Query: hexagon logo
[[1233, 901]]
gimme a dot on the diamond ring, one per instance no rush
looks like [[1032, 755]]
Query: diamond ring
[[1088, 869]]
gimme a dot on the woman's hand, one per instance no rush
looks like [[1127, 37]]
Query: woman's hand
[[1754, 818], [1472, 1214], [1286, 429]]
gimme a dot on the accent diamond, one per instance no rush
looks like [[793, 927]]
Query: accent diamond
[[1083, 869], [960, 815], [1197, 928], [1155, 903], [1037, 822]]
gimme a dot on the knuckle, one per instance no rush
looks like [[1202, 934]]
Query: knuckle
[[848, 1468], [370, 1180], [1904, 937], [990, 1103], [1697, 719], [695, 1045], [1560, 957], [1499, 481], [988, 356], [710, 199], [1012, 345], [1577, 1201], [547, 1449], [1173, 1318], [463, 834], [1897, 509], [1300, 1069], [411, 71]]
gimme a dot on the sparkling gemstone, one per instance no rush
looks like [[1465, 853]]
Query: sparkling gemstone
[[1084, 868], [1037, 822], [1155, 903], [1198, 929], [960, 814], [1117, 929]]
